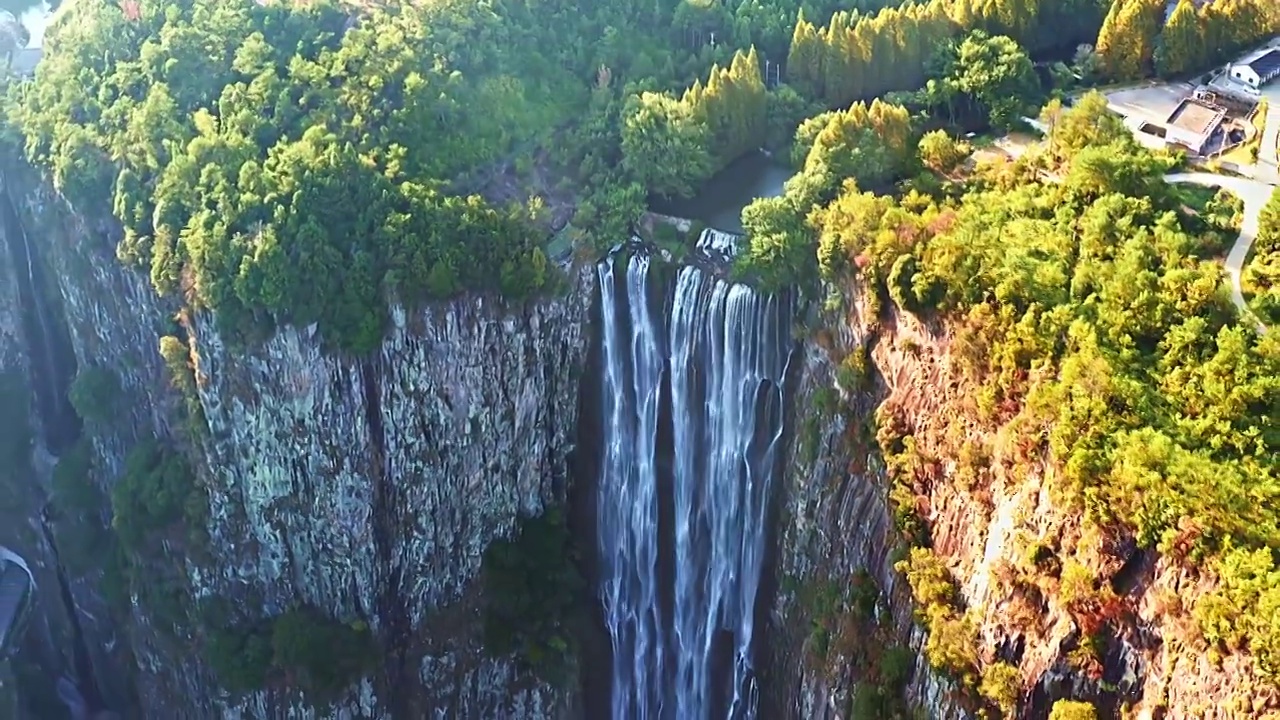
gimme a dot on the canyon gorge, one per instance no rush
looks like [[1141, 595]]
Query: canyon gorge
[[714, 456]]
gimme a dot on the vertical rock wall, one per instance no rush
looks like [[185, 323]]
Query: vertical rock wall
[[71, 638], [365, 487], [836, 524]]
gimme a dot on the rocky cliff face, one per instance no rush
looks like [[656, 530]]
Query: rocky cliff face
[[836, 530], [366, 488], [71, 650], [1130, 648]]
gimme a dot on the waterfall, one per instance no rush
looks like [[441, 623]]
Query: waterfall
[[712, 367], [629, 493], [52, 362]]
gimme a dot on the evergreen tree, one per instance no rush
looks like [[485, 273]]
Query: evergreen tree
[[839, 66], [1181, 47], [664, 147], [804, 60], [1126, 41], [1261, 278]]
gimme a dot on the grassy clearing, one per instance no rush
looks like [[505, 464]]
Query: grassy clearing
[[1195, 197]]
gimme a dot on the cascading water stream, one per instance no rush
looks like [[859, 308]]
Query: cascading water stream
[[52, 363], [629, 492], [720, 351]]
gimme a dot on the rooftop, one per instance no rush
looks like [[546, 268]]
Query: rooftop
[[1196, 116], [1264, 62]]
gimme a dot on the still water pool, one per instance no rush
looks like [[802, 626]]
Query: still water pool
[[720, 201]]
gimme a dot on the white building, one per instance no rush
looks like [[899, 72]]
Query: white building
[[1194, 123], [1257, 69]]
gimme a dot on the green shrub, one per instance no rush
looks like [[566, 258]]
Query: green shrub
[[315, 653], [930, 580], [1002, 686], [73, 487], [942, 153], [864, 594], [177, 359], [1077, 584], [156, 491], [164, 596], [952, 646], [823, 604], [321, 655], [83, 541], [868, 703], [1072, 710], [93, 394], [531, 595], [241, 659], [896, 667]]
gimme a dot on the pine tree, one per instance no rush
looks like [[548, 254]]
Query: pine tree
[[837, 88], [804, 59], [861, 45], [1181, 47], [1127, 38], [755, 101]]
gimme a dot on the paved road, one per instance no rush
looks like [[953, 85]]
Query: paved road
[[1267, 153], [1255, 195]]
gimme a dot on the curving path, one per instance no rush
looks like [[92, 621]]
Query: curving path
[[16, 588], [1255, 195]]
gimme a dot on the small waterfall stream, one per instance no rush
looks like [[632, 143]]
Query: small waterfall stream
[[52, 361], [710, 366]]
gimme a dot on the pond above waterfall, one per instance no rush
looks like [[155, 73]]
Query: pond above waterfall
[[720, 201]]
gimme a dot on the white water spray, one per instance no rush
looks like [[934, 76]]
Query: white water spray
[[721, 351]]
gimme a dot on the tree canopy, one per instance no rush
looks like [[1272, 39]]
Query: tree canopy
[[996, 74], [1261, 276], [281, 162], [1136, 39]]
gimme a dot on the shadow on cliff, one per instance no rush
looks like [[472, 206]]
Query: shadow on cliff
[[52, 364], [595, 656]]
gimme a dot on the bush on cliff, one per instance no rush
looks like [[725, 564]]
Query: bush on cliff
[[321, 655], [1072, 710], [952, 646], [532, 591], [157, 490], [302, 646], [240, 658], [93, 394]]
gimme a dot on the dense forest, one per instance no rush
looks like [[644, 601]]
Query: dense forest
[[253, 149], [226, 136]]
